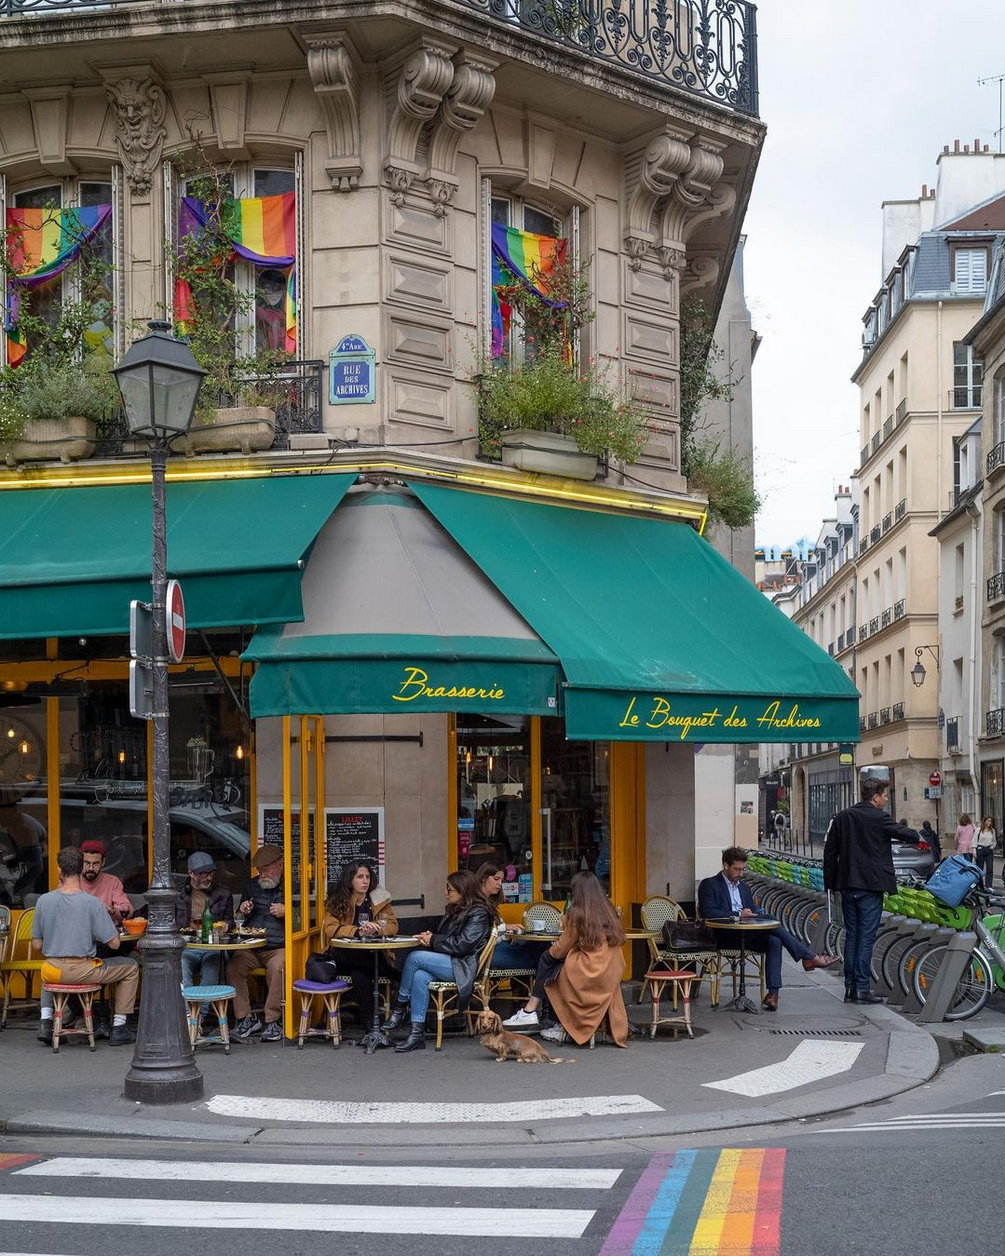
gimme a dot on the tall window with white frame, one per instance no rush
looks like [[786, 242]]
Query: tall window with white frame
[[45, 300], [970, 271], [998, 403], [534, 220], [968, 376]]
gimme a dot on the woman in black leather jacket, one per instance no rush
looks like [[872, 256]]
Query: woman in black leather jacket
[[451, 954]]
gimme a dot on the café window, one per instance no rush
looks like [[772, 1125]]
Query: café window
[[70, 229], [24, 840], [264, 224], [504, 764]]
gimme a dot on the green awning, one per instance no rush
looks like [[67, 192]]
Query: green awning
[[72, 559], [658, 636], [397, 619]]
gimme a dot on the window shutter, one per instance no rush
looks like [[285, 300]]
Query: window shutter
[[971, 270]]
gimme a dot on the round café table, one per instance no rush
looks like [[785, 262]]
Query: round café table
[[376, 1037], [631, 935], [743, 925]]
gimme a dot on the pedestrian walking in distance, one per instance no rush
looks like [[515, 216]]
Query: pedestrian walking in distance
[[858, 861], [984, 849]]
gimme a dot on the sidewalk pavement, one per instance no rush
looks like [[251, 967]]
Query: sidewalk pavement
[[816, 1055]]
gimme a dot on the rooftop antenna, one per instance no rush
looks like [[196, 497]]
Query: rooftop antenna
[[999, 79]]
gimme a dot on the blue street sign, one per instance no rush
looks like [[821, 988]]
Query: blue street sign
[[352, 372]]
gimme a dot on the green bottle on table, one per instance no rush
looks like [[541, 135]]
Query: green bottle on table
[[207, 923]]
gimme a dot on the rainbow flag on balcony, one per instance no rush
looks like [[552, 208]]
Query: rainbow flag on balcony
[[263, 231], [527, 258], [41, 244]]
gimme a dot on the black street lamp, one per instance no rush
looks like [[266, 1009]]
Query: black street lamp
[[918, 671], [159, 381]]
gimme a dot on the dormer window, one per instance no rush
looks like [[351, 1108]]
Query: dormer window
[[970, 271]]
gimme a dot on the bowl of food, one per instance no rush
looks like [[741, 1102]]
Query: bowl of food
[[135, 926]]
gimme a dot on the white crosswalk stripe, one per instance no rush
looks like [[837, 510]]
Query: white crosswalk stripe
[[433, 1216], [930, 1121]]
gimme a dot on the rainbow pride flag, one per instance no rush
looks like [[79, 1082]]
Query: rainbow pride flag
[[263, 231], [41, 244], [527, 258]]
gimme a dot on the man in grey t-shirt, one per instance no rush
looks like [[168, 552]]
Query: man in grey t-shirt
[[68, 924]]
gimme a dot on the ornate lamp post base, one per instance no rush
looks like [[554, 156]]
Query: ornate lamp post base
[[163, 1069]]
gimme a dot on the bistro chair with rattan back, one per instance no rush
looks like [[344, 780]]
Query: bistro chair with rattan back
[[548, 913], [657, 911], [20, 963], [4, 931], [444, 997]]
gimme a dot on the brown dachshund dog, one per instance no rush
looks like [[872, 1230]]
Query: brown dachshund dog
[[507, 1046]]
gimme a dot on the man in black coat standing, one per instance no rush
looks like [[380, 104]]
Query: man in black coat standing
[[858, 861]]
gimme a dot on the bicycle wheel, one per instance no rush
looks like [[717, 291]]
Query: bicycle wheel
[[835, 940], [892, 956], [972, 990], [883, 939], [799, 919], [909, 961]]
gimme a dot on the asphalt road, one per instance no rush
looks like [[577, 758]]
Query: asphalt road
[[878, 1179]]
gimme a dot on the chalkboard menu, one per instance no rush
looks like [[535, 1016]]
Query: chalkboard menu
[[270, 831], [354, 833]]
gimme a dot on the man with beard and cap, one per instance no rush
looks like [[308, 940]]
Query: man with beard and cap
[[103, 885], [262, 908]]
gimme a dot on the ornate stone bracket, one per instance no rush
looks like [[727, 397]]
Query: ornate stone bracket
[[334, 69], [140, 107], [468, 96], [672, 188], [425, 77]]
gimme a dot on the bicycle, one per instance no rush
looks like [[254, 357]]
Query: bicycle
[[986, 969]]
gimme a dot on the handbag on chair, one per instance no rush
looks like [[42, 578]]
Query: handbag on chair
[[689, 935]]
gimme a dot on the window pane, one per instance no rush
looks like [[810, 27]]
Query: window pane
[[575, 802], [270, 309], [540, 223], [500, 211], [100, 335], [24, 844], [39, 198], [273, 182], [493, 800]]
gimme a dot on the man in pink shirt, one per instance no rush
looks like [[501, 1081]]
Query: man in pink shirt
[[103, 885]]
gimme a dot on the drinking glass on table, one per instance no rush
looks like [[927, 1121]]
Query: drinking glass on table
[[362, 919]]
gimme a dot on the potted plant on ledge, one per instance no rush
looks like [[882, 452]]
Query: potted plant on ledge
[[547, 413], [50, 412]]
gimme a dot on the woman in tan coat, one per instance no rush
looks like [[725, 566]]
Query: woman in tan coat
[[357, 906], [582, 971]]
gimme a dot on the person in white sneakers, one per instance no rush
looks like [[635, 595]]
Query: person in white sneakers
[[581, 972]]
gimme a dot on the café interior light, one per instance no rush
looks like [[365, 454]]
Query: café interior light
[[159, 381], [239, 752]]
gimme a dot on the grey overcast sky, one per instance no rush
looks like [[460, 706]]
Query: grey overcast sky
[[859, 97]]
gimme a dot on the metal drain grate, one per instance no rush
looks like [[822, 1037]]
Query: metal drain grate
[[819, 1033]]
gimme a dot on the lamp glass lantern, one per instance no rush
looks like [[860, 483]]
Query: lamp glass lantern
[[918, 674], [159, 381]]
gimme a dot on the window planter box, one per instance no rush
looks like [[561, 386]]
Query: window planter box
[[547, 453], [241, 429], [46, 440]]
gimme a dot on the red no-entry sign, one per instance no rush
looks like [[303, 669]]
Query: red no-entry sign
[[935, 778], [175, 622]]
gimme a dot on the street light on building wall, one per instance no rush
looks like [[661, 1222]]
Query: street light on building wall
[[159, 381], [918, 672]]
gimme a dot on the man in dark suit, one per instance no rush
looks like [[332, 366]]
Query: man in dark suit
[[858, 861], [726, 895]]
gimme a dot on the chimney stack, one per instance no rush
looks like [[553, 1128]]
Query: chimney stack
[[956, 146]]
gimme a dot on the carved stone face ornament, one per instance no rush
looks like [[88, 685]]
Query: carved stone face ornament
[[140, 109]]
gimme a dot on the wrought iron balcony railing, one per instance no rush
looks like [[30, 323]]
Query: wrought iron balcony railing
[[996, 586], [850, 635], [863, 632], [873, 625], [294, 395], [901, 413], [874, 534], [861, 723], [887, 522], [705, 47], [898, 710], [886, 618], [899, 609], [996, 458], [873, 719], [900, 510], [840, 643], [874, 443], [884, 715], [863, 544], [994, 722], [888, 427], [865, 455]]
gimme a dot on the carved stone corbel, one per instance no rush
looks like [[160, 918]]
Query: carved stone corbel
[[651, 175], [701, 271], [424, 79], [671, 260], [50, 114], [468, 96], [140, 107], [695, 196], [334, 69]]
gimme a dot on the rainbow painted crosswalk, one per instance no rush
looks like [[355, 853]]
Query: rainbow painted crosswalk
[[704, 1203]]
